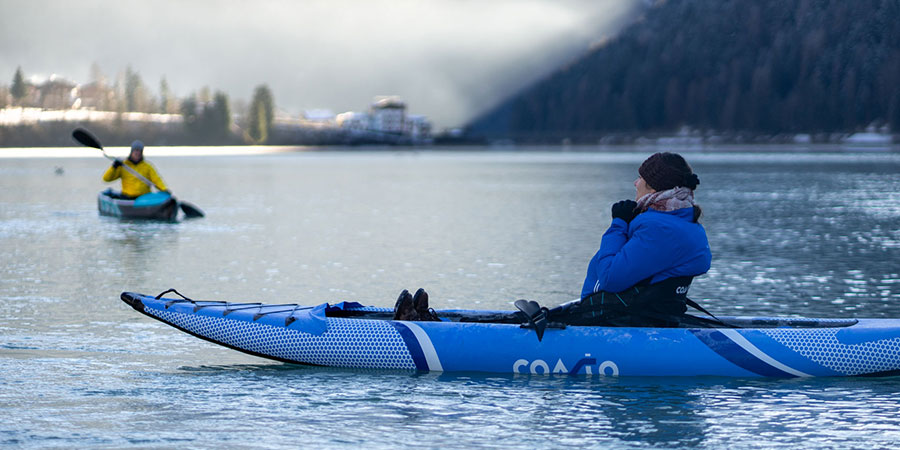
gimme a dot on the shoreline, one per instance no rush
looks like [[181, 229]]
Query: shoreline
[[256, 150], [154, 151]]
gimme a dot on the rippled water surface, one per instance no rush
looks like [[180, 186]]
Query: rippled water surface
[[793, 234]]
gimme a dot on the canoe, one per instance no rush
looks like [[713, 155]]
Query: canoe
[[153, 206], [351, 335]]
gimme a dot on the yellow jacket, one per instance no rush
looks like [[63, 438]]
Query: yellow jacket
[[132, 185]]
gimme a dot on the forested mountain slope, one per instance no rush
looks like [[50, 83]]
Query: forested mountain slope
[[759, 66]]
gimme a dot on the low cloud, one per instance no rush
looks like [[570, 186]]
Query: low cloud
[[450, 59]]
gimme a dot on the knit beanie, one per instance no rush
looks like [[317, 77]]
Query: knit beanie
[[664, 171]]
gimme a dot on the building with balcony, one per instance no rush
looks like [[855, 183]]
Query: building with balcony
[[387, 121], [388, 114]]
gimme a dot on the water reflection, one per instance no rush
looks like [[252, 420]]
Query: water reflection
[[527, 411], [138, 247], [799, 235]]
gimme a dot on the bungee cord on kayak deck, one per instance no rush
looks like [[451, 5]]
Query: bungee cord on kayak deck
[[229, 309]]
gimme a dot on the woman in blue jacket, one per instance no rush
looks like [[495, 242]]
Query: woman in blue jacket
[[643, 270], [648, 255]]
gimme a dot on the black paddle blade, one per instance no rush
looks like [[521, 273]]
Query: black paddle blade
[[539, 326], [531, 308], [86, 138], [537, 316], [190, 211]]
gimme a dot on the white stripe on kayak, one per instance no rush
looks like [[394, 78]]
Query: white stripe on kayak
[[431, 356], [746, 345]]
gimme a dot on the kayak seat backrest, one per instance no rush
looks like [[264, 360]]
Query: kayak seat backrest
[[152, 199]]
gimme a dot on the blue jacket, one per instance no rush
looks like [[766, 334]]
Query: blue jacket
[[655, 244]]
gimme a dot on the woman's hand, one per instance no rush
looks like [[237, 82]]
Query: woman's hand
[[624, 210]]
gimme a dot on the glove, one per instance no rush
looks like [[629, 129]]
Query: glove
[[117, 163], [624, 210]]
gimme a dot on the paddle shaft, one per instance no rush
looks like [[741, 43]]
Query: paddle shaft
[[84, 137]]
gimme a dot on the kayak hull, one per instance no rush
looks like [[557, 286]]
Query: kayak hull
[[158, 206], [773, 348]]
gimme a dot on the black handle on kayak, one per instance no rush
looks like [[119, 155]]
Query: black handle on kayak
[[536, 315]]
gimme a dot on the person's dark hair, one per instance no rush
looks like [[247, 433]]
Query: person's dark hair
[[697, 212], [664, 171]]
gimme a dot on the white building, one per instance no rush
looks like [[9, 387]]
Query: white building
[[387, 120], [354, 121], [418, 127], [318, 116], [388, 114]]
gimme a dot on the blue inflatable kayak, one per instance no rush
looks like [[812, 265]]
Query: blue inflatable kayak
[[355, 336], [152, 206]]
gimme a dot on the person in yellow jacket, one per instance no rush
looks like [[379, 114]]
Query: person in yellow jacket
[[133, 186]]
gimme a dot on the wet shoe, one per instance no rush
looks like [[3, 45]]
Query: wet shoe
[[404, 308], [420, 303]]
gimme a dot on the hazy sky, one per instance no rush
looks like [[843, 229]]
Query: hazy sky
[[449, 59]]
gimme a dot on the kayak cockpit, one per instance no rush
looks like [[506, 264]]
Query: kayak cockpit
[[352, 310]]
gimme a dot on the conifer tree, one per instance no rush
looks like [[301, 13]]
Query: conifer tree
[[165, 95], [18, 89], [219, 115], [262, 111], [97, 74], [136, 98], [189, 112]]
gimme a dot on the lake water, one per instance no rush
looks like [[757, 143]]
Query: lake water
[[792, 234]]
